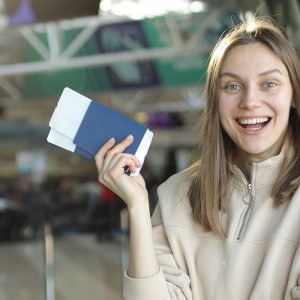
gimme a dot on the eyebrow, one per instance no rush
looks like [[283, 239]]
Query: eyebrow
[[229, 74]]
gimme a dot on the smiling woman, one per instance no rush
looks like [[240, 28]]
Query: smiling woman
[[260, 48], [254, 102], [228, 227]]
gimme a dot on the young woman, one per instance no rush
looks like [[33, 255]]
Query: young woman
[[228, 227]]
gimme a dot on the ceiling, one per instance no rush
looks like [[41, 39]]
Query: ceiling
[[52, 56]]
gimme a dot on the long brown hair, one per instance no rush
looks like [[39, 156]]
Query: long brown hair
[[211, 173]]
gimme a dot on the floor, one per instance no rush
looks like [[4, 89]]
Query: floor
[[84, 268]]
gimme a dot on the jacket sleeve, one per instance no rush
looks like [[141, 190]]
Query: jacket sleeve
[[170, 282], [293, 286]]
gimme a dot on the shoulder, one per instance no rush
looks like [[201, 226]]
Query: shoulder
[[177, 182], [173, 193]]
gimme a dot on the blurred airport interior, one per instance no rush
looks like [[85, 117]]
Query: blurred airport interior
[[64, 236]]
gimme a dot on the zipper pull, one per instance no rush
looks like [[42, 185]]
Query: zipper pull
[[249, 188], [248, 197]]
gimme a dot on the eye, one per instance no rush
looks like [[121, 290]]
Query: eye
[[270, 84], [232, 87]]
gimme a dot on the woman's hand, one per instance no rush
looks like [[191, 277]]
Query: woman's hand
[[111, 162]]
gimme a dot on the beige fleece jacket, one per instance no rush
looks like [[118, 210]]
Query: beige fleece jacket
[[259, 259]]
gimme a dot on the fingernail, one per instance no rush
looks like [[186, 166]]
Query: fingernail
[[130, 136], [111, 140]]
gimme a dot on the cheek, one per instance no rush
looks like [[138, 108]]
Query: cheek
[[283, 100], [225, 110], [281, 106]]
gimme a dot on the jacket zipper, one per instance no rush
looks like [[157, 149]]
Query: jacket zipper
[[248, 199]]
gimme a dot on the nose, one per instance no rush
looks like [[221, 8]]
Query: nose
[[251, 98]]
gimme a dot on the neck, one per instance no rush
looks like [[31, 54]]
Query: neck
[[244, 163], [245, 160]]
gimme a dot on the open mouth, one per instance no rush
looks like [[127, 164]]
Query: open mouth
[[253, 124]]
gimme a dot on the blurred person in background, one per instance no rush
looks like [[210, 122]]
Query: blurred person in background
[[227, 227]]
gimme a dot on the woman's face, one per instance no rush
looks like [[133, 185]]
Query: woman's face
[[255, 96]]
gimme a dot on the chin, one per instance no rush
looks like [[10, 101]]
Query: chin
[[264, 152]]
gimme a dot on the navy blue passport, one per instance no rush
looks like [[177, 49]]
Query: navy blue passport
[[82, 126]]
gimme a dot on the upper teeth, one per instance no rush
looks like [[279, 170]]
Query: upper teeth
[[253, 121]]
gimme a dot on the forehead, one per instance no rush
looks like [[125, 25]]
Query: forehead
[[254, 57]]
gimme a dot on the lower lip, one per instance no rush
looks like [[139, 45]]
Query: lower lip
[[253, 130]]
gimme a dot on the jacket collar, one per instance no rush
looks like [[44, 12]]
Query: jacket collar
[[263, 173]]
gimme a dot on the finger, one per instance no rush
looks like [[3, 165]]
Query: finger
[[120, 147], [119, 160], [99, 157], [112, 171], [105, 147], [109, 150]]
